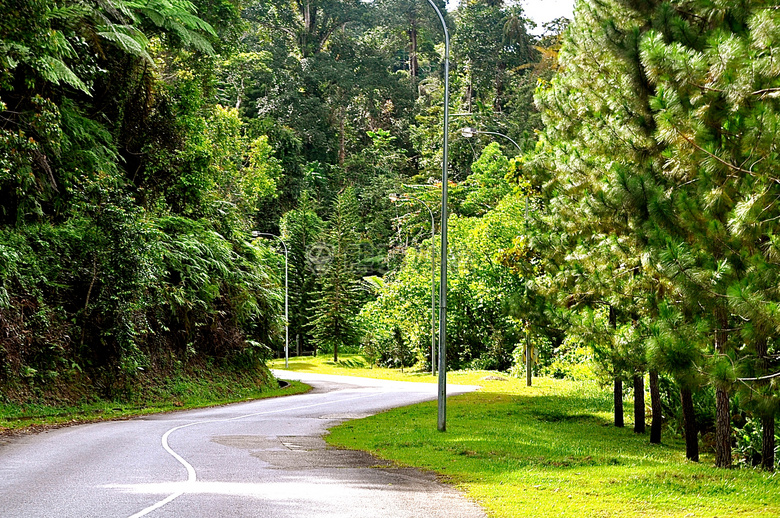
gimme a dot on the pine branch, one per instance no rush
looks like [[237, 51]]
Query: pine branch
[[761, 378], [768, 92], [716, 157]]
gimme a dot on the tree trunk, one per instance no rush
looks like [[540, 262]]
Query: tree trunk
[[413, 66], [639, 404], [618, 390], [689, 425], [655, 404], [768, 419], [722, 428], [618, 393], [342, 138], [768, 442], [722, 404]]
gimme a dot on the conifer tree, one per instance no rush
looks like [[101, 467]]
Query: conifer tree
[[662, 129], [716, 109], [334, 323], [301, 231], [605, 162]]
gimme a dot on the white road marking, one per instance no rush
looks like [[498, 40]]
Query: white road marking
[[191, 475]]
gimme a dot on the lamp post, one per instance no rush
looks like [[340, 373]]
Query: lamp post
[[286, 298], [468, 133], [442, 397], [394, 198]]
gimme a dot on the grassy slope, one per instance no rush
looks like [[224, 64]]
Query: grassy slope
[[199, 388], [551, 450]]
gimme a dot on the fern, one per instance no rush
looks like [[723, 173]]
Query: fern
[[180, 18], [129, 39], [55, 71]]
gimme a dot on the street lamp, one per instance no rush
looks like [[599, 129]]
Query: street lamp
[[286, 298], [468, 133], [442, 397], [394, 198]]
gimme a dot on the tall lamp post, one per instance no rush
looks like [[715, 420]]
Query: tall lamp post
[[468, 133], [394, 198], [286, 298], [442, 397]]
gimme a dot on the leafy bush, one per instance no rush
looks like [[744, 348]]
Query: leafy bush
[[748, 444], [573, 360]]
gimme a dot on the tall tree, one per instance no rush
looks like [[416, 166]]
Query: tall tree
[[491, 41], [334, 324], [301, 231], [717, 114]]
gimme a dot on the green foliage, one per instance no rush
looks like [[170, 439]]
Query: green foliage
[[480, 332], [333, 325], [302, 232], [748, 445], [488, 184], [124, 214]]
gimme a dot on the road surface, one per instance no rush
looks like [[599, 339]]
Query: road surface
[[264, 458]]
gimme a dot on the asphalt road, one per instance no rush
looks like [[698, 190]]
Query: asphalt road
[[263, 458]]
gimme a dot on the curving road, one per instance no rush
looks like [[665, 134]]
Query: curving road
[[264, 458]]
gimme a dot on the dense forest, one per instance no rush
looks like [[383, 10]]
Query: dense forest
[[613, 211]]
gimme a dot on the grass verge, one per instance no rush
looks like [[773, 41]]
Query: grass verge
[[199, 388], [550, 450], [349, 365]]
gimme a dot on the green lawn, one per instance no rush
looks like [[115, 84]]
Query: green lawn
[[549, 450]]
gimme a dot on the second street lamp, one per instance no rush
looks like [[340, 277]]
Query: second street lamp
[[286, 298], [470, 132], [394, 198]]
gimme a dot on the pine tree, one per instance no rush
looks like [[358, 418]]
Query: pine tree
[[301, 231], [334, 323], [661, 133], [716, 109]]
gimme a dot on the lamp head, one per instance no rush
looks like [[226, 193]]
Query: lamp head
[[468, 132]]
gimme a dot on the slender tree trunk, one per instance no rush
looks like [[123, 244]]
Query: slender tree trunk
[[618, 394], [655, 404], [342, 138], [413, 66], [767, 419], [618, 389], [722, 403], [639, 404], [689, 425], [768, 442]]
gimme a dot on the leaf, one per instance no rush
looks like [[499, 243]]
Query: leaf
[[128, 39], [55, 71]]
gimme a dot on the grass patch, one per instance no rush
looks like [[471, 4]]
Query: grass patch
[[349, 365], [199, 388], [551, 450]]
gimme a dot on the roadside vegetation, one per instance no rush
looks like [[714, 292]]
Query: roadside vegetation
[[548, 450], [197, 388]]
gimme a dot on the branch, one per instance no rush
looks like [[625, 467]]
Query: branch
[[716, 157], [766, 91], [761, 378]]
